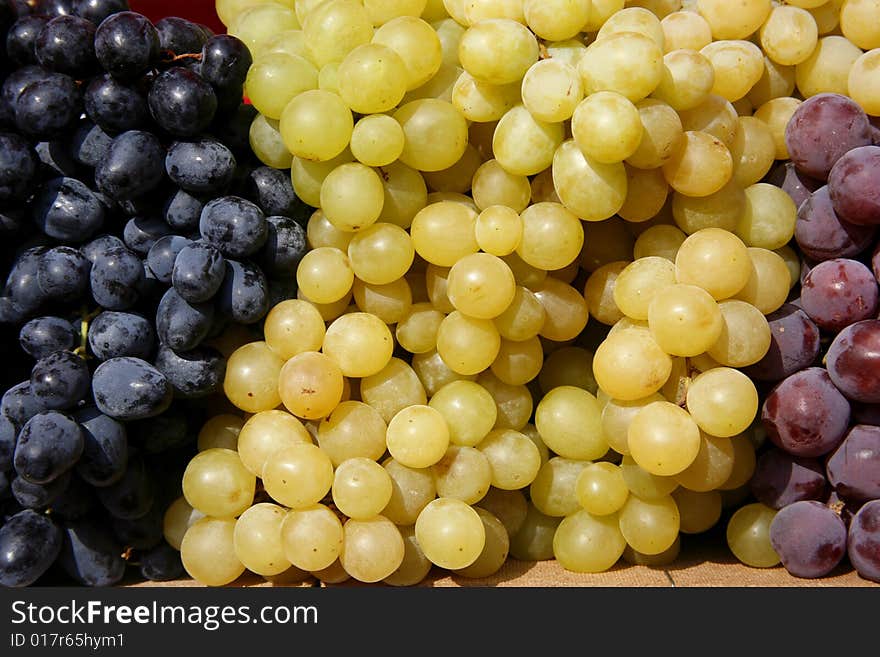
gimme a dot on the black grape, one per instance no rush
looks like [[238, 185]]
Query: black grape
[[192, 374], [126, 45], [97, 10], [202, 166], [60, 380], [132, 496], [90, 144], [21, 283], [50, 443], [181, 102], [65, 45], [181, 325], [272, 191], [90, 554], [182, 211], [68, 210], [179, 35], [29, 544], [141, 233], [163, 255], [128, 388], [225, 62], [39, 496], [115, 105], [18, 165], [47, 108], [19, 404], [21, 38], [135, 165], [63, 273], [285, 246], [141, 533], [198, 272], [8, 435], [43, 335], [234, 225], [244, 295], [112, 334], [116, 278], [105, 448], [161, 564]]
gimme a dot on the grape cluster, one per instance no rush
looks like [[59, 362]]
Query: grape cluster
[[141, 240], [820, 476], [544, 246]]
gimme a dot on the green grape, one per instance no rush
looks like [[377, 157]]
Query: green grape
[[417, 44], [712, 466], [372, 79], [699, 511], [534, 540], [311, 537], [714, 259], [464, 473], [178, 517], [642, 483], [630, 365], [372, 549], [585, 543], [361, 488], [523, 318], [310, 385], [617, 415], [494, 186], [498, 50], [569, 420], [494, 553], [266, 143], [450, 533], [514, 458], [568, 366], [417, 436], [377, 140], [684, 320], [481, 101], [298, 476], [417, 330], [257, 539], [220, 431], [352, 196], [650, 526], [665, 558], [412, 490], [274, 79], [607, 127], [639, 282], [629, 63], [353, 429], [601, 489], [251, 379], [292, 327], [265, 433], [415, 565], [257, 23], [217, 484], [551, 90], [208, 552], [590, 189], [552, 236], [316, 124], [468, 345], [517, 127], [443, 233], [663, 439], [722, 401], [422, 120], [748, 536], [360, 343], [553, 491], [469, 410], [333, 29], [509, 506]]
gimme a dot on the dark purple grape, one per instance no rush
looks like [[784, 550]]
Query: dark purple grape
[[809, 538], [46, 109], [63, 273], [90, 144], [781, 479], [128, 388], [863, 545], [49, 445], [193, 374], [21, 283], [97, 10], [854, 185], [822, 235], [181, 102], [113, 334], [18, 165], [43, 335], [198, 272], [126, 45], [839, 292], [19, 404], [180, 325], [132, 496], [105, 448], [161, 564], [244, 295], [135, 165], [65, 45], [115, 105], [141, 533], [285, 247], [39, 496], [201, 166], [234, 225], [116, 278], [29, 544], [8, 436], [180, 36], [21, 37], [805, 414], [794, 345], [91, 554], [68, 210], [60, 380], [853, 361], [822, 129], [225, 62], [854, 467]]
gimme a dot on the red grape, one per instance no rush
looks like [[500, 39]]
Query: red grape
[[822, 129], [863, 545], [822, 235], [794, 345], [839, 292], [854, 467], [854, 185], [781, 479], [809, 538], [853, 361], [805, 414]]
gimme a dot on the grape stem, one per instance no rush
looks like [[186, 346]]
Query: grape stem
[[85, 319]]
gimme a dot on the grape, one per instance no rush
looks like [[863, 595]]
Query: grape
[[852, 184], [182, 210], [65, 45], [91, 555], [131, 496], [18, 165], [114, 105], [243, 295], [201, 166], [44, 335], [68, 210], [851, 361], [21, 38], [126, 44], [795, 183], [179, 35], [794, 345], [47, 108], [840, 292], [822, 235], [141, 233], [181, 325], [141, 533], [29, 544], [134, 166], [97, 10], [39, 496], [60, 380], [863, 544], [285, 246], [8, 435], [809, 537], [805, 414], [161, 564], [854, 467], [112, 334], [225, 62], [19, 404], [192, 374], [90, 144], [50, 443], [781, 479], [163, 254], [235, 226], [128, 388], [822, 129], [105, 448], [208, 552]]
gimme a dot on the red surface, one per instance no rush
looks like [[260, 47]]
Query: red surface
[[199, 11]]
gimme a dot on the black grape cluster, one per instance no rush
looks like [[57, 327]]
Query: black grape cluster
[[822, 413], [137, 229]]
